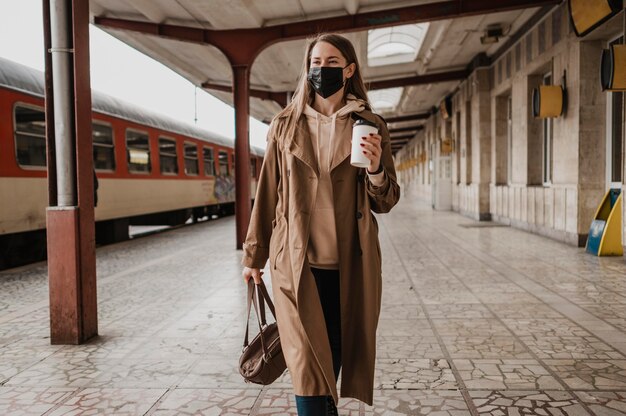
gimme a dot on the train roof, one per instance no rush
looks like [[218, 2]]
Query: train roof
[[31, 81]]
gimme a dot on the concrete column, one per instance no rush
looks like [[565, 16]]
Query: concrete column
[[481, 141], [533, 134], [499, 140], [241, 92], [70, 228], [592, 134]]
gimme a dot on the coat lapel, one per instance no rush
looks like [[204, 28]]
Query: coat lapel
[[301, 147]]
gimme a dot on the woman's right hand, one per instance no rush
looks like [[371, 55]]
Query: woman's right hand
[[256, 274]]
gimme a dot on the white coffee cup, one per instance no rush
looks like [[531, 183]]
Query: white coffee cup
[[362, 128]]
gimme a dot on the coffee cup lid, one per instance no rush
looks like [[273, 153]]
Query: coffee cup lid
[[363, 122]]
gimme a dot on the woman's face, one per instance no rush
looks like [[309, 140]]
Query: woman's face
[[325, 54]]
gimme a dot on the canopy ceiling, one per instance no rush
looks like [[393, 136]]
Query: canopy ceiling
[[446, 44]]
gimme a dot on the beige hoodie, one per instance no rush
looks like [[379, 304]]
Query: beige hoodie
[[331, 136]]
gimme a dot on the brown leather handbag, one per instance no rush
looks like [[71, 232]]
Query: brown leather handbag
[[262, 360]]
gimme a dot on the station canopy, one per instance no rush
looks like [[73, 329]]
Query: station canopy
[[445, 48]]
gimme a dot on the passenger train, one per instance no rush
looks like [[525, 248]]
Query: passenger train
[[150, 169]]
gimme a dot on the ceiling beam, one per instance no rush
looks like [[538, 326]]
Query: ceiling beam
[[241, 46], [281, 97], [418, 80], [278, 97], [410, 117], [402, 138], [404, 129]]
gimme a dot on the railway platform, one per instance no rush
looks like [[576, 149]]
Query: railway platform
[[477, 318]]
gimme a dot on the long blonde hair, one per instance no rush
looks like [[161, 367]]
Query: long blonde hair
[[304, 94]]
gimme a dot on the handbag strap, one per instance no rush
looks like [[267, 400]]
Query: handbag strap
[[259, 308], [250, 298], [266, 295]]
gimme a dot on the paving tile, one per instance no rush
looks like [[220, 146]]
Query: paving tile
[[458, 311], [604, 403], [485, 346], [283, 402], [500, 374], [405, 328], [395, 311], [511, 402], [407, 347], [470, 327], [59, 372], [122, 402], [446, 296], [417, 402], [143, 372], [524, 311], [590, 374], [22, 354], [206, 402], [215, 371], [570, 347], [31, 401], [400, 374], [400, 297], [545, 327]]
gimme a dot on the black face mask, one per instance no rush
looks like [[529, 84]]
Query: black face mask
[[326, 80]]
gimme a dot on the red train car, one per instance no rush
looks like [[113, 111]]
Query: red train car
[[151, 169]]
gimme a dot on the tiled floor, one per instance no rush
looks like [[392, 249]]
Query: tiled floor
[[475, 320]]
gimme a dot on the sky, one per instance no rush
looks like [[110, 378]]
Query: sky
[[121, 71]]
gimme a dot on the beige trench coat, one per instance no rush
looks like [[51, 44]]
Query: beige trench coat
[[279, 230]]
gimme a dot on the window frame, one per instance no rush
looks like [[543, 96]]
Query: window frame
[[185, 158], [212, 160], [547, 142], [14, 119], [109, 125], [610, 183], [128, 164], [169, 139], [509, 139], [219, 164]]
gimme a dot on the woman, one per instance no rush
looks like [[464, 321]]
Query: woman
[[313, 219]]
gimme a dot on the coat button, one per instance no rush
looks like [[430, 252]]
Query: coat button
[[359, 215]]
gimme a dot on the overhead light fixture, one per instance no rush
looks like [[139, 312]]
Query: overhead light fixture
[[492, 34]]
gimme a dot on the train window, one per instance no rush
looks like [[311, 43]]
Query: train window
[[103, 147], [168, 158], [138, 151], [30, 136], [223, 159], [191, 159], [209, 161], [253, 167]]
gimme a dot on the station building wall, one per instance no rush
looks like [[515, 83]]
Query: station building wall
[[544, 176]]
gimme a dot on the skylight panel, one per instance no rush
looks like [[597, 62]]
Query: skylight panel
[[385, 100], [394, 45]]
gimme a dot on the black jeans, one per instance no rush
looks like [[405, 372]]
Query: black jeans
[[327, 282]]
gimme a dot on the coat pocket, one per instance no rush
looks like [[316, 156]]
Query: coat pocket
[[277, 240]]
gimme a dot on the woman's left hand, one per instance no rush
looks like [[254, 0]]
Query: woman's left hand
[[372, 150]]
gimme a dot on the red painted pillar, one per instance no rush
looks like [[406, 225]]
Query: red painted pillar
[[70, 229], [241, 92]]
